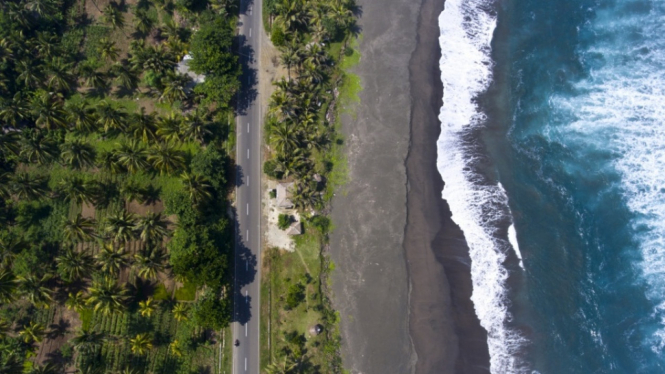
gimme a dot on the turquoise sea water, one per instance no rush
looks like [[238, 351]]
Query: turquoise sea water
[[553, 125]]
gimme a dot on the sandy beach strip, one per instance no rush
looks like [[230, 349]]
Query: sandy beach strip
[[402, 282], [370, 282]]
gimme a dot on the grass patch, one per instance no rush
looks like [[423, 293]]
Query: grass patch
[[305, 266], [86, 318], [161, 293], [186, 293]]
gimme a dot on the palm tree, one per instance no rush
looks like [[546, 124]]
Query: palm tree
[[112, 16], [79, 229], [289, 57], [120, 226], [10, 245], [27, 187], [35, 290], [81, 116], [7, 286], [284, 367], [166, 159], [15, 110], [180, 312], [87, 341], [37, 147], [9, 144], [48, 111], [197, 187], [175, 349], [175, 88], [30, 73], [283, 135], [132, 156], [195, 127], [177, 47], [143, 126], [32, 333], [111, 260], [4, 328], [147, 307], [144, 24], [152, 227], [107, 50], [59, 75], [76, 301], [131, 191], [125, 75], [290, 14], [77, 154], [305, 196], [110, 162], [92, 77], [111, 118], [169, 128], [150, 262], [73, 265], [107, 296], [48, 368], [76, 189], [141, 344]]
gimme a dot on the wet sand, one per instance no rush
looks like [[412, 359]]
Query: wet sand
[[402, 283]]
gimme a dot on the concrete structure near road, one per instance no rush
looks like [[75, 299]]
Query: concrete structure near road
[[183, 68], [284, 195], [294, 229]]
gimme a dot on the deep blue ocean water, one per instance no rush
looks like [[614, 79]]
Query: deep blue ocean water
[[553, 125]]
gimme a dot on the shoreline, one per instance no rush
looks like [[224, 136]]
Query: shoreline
[[445, 330]]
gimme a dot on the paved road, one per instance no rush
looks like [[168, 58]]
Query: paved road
[[248, 197]]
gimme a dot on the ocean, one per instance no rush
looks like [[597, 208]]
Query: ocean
[[553, 153]]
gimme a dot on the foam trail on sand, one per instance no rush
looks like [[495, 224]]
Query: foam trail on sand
[[478, 207]]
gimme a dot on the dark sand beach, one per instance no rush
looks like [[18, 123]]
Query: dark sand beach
[[402, 283]]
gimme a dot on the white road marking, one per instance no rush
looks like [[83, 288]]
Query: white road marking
[[245, 363], [248, 180], [248, 128], [250, 32], [248, 153], [246, 328], [247, 208], [247, 233]]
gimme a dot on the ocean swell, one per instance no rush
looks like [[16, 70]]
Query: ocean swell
[[478, 207]]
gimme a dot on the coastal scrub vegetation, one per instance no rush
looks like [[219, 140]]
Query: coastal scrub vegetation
[[314, 39], [114, 237]]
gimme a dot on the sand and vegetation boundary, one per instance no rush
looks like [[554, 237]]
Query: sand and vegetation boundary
[[316, 43], [115, 162]]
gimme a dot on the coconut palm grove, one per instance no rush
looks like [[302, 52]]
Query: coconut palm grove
[[117, 176], [115, 236]]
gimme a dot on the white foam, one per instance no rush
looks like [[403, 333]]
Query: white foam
[[512, 238], [466, 34], [621, 108]]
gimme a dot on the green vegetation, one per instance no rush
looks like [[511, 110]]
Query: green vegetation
[[114, 241], [316, 40]]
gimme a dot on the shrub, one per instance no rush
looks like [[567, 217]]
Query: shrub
[[211, 311], [295, 296], [211, 164], [270, 169], [278, 37], [322, 223], [273, 194], [284, 221], [348, 52]]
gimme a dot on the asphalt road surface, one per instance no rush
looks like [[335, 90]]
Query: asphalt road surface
[[248, 194]]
